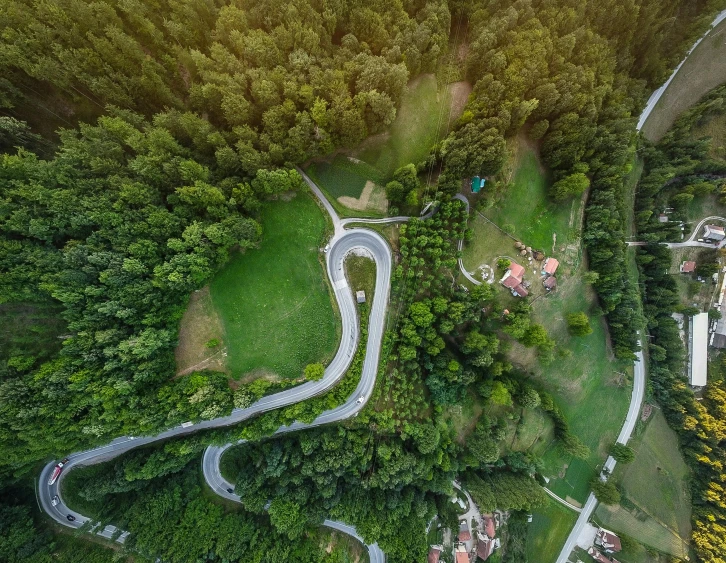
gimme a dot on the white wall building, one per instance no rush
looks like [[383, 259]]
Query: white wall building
[[698, 350]]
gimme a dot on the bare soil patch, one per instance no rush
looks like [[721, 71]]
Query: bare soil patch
[[373, 198], [459, 94], [199, 325]]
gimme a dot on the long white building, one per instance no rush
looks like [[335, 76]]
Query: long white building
[[698, 350]]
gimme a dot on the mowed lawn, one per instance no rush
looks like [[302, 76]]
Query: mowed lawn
[[655, 490], [527, 213], [343, 177], [548, 531], [274, 301]]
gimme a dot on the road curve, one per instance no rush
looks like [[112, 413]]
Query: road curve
[[343, 242]]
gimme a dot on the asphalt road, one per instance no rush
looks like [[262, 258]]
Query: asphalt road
[[636, 399], [656, 96], [342, 243]]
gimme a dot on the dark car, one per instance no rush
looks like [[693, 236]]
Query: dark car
[[230, 491], [71, 518]]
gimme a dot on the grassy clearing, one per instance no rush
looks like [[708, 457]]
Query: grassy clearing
[[347, 549], [200, 328], [656, 508], [271, 299], [526, 212], [704, 70], [422, 119], [691, 291], [361, 274], [548, 531], [343, 177], [584, 378]]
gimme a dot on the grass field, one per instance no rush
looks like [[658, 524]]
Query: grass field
[[704, 70], [30, 330], [361, 274], [656, 507], [344, 177], [584, 378], [527, 213], [272, 299], [548, 531], [423, 118]]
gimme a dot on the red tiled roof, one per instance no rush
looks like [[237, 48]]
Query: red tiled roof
[[516, 270], [511, 282], [608, 540], [434, 555], [550, 282], [597, 556], [484, 549], [715, 228], [490, 527], [462, 557], [688, 266], [519, 290], [550, 265]]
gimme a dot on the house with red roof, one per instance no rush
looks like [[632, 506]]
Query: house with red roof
[[512, 280], [608, 541], [490, 527], [550, 267], [434, 554], [688, 267], [462, 556], [464, 533], [597, 556]]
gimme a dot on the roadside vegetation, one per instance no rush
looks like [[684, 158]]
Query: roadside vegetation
[[202, 113], [271, 298], [676, 170]]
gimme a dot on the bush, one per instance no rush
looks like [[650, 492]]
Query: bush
[[622, 453], [213, 343], [605, 492], [314, 372], [579, 324]]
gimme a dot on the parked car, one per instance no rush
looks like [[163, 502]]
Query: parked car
[[55, 500]]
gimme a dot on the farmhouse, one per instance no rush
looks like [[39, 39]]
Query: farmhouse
[[608, 541], [512, 280], [597, 556], [688, 267], [550, 283], [484, 548], [550, 267], [698, 350], [714, 232], [434, 554]]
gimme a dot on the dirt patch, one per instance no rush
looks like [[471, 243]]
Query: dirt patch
[[459, 94], [200, 325], [372, 198], [260, 373]]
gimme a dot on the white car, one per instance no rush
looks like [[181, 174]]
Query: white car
[[55, 500], [361, 399]]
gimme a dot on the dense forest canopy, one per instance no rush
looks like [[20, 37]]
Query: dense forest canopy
[[180, 119]]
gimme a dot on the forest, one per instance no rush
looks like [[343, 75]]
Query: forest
[[140, 141]]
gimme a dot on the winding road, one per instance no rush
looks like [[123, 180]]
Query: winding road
[[343, 242]]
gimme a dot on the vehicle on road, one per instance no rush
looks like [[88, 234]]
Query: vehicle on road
[[230, 491], [57, 471], [71, 518], [55, 500], [361, 399]]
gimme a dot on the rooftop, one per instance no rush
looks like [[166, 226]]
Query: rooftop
[[698, 350], [550, 266], [688, 266], [550, 283], [516, 270]]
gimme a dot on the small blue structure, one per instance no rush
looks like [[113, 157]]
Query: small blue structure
[[481, 184], [476, 184]]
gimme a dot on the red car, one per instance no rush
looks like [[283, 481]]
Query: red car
[[57, 471]]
